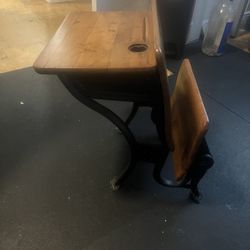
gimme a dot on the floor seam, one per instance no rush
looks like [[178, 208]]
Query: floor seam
[[227, 108]]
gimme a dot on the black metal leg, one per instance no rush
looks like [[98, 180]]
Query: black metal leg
[[159, 167], [203, 162], [157, 117], [132, 113], [116, 120], [151, 153]]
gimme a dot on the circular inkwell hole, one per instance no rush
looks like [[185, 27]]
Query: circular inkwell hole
[[138, 47]]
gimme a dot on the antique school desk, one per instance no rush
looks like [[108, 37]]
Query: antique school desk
[[118, 56], [105, 55]]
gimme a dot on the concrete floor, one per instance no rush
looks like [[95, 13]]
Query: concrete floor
[[27, 26]]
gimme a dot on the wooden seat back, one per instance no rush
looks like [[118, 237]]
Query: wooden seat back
[[185, 117], [189, 120]]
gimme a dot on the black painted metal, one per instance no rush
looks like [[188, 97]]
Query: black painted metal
[[133, 113], [202, 163], [149, 152], [157, 117]]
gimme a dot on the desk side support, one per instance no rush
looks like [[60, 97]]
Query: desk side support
[[117, 181]]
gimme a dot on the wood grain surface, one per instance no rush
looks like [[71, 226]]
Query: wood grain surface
[[189, 120], [99, 42]]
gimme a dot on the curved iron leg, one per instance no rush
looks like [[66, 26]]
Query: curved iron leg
[[132, 113], [116, 120]]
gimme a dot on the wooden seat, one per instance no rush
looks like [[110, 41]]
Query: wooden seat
[[189, 120], [185, 126], [182, 123], [115, 59]]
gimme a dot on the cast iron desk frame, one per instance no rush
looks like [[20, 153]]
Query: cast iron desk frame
[[143, 88]]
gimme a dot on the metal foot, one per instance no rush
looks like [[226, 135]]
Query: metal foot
[[196, 197], [118, 181], [114, 184]]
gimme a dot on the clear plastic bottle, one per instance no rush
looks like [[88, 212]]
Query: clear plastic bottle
[[219, 28]]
